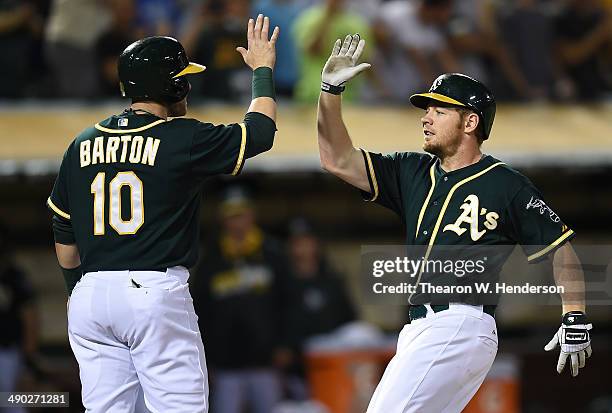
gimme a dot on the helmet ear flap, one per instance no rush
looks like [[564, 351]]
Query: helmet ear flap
[[177, 89]]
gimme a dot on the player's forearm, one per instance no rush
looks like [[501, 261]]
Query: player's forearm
[[335, 145], [263, 92], [261, 57], [265, 106], [67, 255], [337, 153], [568, 274], [70, 263], [260, 119]]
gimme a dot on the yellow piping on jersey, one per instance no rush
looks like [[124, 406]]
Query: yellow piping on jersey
[[441, 215], [550, 247], [242, 149], [372, 175], [150, 125], [432, 175], [56, 209]]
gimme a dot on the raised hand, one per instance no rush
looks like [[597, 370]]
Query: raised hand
[[260, 51], [342, 64]]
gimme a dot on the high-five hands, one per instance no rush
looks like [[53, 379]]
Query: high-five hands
[[260, 51], [342, 64], [575, 341]]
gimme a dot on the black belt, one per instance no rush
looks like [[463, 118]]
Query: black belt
[[420, 311]]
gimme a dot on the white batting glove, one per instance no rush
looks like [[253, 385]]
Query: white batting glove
[[342, 64], [575, 341]]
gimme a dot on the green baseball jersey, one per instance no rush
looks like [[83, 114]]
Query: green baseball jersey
[[484, 204], [129, 187]]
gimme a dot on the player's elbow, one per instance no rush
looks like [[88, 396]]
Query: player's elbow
[[326, 163], [261, 132], [333, 165], [267, 141]]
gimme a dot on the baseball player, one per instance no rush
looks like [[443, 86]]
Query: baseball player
[[451, 195], [125, 216]]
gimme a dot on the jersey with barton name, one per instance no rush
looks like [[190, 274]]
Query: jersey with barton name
[[130, 187]]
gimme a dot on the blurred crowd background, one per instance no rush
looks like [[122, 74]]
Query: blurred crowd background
[[277, 289], [524, 49]]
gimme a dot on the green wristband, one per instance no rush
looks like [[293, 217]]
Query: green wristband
[[71, 277], [263, 83]]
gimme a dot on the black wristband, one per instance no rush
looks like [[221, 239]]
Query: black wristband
[[71, 277], [574, 317], [263, 83], [334, 90]]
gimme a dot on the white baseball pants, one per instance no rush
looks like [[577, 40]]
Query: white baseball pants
[[440, 362], [138, 328]]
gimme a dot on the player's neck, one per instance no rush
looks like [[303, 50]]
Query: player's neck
[[460, 159], [153, 108]]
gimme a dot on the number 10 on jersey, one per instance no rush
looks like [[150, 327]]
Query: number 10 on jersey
[[115, 216]]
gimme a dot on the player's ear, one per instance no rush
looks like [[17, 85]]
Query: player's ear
[[471, 122]]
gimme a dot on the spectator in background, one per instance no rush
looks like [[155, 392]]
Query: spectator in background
[[110, 45], [412, 48], [157, 18], [483, 54], [527, 29], [212, 40], [284, 13], [18, 318], [316, 303], [368, 9], [237, 298], [583, 34], [74, 27], [314, 30], [19, 25]]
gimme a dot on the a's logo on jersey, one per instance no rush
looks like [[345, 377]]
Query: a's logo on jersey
[[123, 122], [470, 215]]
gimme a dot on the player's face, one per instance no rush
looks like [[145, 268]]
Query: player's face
[[442, 130]]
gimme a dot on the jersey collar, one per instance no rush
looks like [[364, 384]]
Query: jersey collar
[[484, 162], [129, 122]]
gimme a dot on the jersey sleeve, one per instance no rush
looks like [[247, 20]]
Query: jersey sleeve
[[59, 201], [384, 177], [223, 149], [535, 226], [391, 177], [218, 149]]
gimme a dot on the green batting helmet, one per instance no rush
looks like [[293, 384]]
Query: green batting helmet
[[154, 68], [460, 90]]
